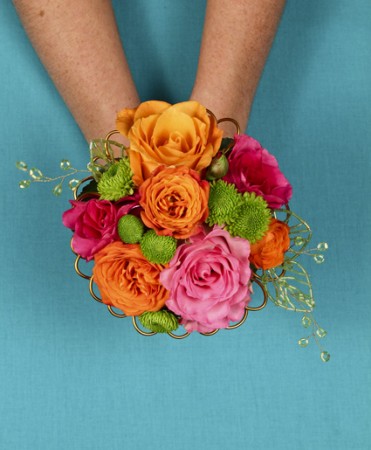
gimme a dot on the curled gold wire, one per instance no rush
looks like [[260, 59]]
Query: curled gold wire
[[238, 324], [84, 180], [106, 144], [211, 333], [229, 119], [258, 277], [178, 336], [78, 271], [288, 213], [114, 313], [212, 115], [265, 300], [139, 330], [91, 290]]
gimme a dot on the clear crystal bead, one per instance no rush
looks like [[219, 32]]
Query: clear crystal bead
[[65, 164], [57, 190], [319, 259], [299, 241], [24, 184], [21, 165], [35, 173], [325, 356], [306, 321], [303, 342], [322, 246], [72, 184], [321, 333]]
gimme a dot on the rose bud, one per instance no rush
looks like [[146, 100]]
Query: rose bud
[[218, 168]]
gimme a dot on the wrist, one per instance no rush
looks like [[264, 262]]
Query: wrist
[[224, 107]]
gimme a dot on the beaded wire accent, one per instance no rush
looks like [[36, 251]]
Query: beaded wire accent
[[287, 286]]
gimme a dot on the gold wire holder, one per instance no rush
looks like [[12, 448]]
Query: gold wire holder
[[106, 143], [256, 278], [90, 278], [225, 119]]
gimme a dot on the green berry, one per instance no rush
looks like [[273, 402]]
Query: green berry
[[218, 168]]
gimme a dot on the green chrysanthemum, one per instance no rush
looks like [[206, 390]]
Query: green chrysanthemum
[[130, 229], [117, 181], [251, 218], [160, 321], [223, 200], [158, 249]]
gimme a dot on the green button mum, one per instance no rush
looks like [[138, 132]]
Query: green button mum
[[251, 218], [158, 249], [160, 321], [117, 181], [223, 201]]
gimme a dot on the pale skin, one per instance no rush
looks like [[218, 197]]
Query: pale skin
[[236, 40]]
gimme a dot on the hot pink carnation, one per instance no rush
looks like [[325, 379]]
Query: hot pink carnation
[[208, 281], [253, 169], [94, 225]]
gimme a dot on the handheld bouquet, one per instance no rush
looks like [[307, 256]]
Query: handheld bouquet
[[183, 226]]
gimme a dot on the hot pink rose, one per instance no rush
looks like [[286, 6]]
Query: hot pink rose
[[253, 169], [208, 280], [94, 225]]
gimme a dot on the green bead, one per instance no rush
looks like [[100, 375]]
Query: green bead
[[130, 229], [321, 333], [299, 241], [24, 184], [319, 259], [36, 174], [322, 246], [325, 356], [72, 184], [303, 342], [306, 321], [21, 165], [92, 167], [65, 164], [311, 302], [57, 190]]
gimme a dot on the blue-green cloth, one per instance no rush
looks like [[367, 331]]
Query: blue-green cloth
[[74, 377]]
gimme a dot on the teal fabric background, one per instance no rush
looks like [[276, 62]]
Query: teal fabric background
[[74, 377]]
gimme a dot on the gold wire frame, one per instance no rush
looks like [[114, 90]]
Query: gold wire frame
[[122, 315], [90, 278]]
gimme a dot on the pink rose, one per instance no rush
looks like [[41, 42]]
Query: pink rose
[[253, 169], [208, 280], [94, 225]]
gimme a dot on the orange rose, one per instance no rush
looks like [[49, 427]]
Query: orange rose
[[174, 201], [270, 250], [127, 280], [172, 135]]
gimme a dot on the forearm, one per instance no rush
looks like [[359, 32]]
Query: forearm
[[78, 42], [236, 41]]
